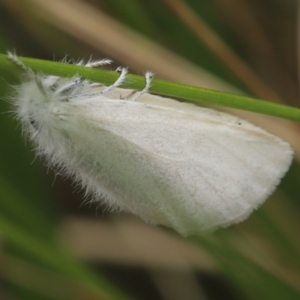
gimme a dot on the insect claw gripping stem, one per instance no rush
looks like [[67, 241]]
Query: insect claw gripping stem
[[118, 82]]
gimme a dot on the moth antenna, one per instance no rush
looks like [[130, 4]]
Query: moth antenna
[[13, 57]]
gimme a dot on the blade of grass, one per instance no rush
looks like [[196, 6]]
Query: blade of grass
[[54, 257], [162, 87], [249, 277]]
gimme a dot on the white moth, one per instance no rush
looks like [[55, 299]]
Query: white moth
[[170, 163]]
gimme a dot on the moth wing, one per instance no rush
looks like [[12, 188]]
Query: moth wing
[[182, 166]]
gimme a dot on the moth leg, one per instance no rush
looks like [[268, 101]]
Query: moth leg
[[118, 82], [137, 94], [69, 86]]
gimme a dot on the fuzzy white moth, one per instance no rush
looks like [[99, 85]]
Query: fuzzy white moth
[[171, 163]]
